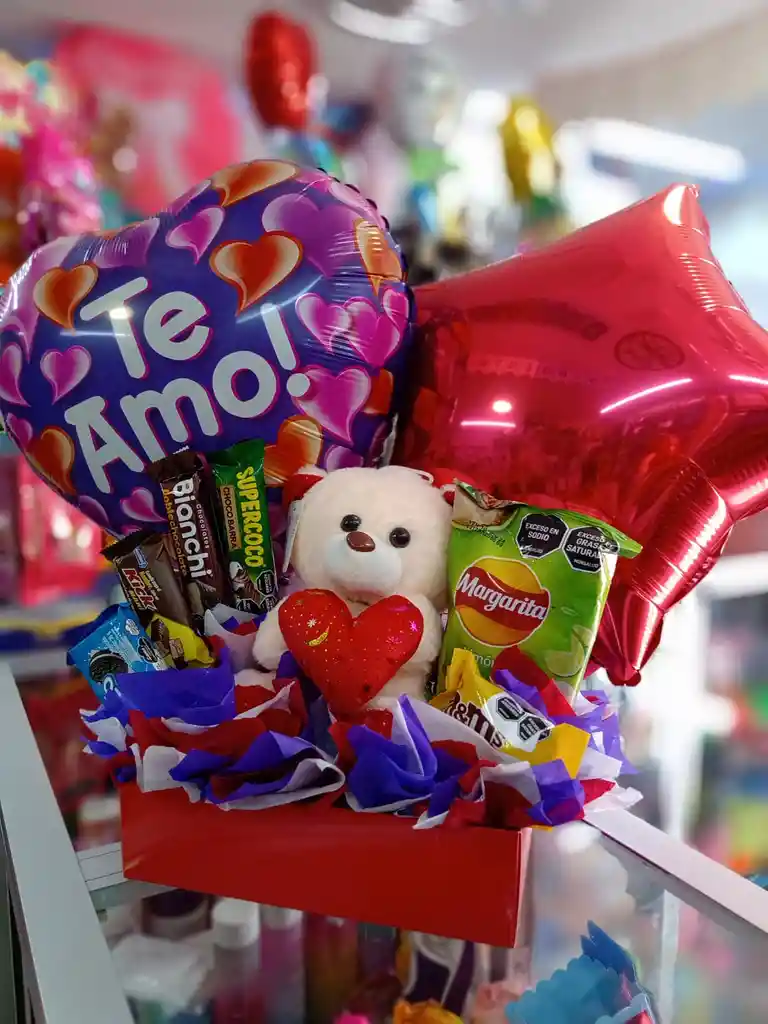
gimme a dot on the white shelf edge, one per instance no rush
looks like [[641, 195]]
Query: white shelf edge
[[738, 899], [71, 976]]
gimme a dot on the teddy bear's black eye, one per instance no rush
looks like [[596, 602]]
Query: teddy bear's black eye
[[399, 537], [351, 523]]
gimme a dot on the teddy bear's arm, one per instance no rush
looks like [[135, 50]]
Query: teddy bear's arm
[[432, 637], [269, 646]]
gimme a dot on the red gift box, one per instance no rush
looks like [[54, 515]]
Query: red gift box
[[456, 882]]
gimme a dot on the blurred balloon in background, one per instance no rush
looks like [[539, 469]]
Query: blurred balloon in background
[[288, 93], [48, 185], [309, 149], [280, 62], [426, 168], [15, 92], [338, 126], [112, 150], [168, 95], [533, 170], [344, 121], [419, 105], [49, 91], [528, 137], [11, 180], [380, 169], [60, 194], [418, 99]]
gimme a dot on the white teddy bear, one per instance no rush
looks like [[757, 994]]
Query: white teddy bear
[[367, 534]]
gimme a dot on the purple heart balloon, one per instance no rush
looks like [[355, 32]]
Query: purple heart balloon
[[192, 328]]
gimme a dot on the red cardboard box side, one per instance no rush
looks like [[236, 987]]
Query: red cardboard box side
[[459, 882]]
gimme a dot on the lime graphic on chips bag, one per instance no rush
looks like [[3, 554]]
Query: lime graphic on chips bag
[[528, 577]]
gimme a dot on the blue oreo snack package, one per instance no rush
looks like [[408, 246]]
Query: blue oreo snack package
[[114, 644]]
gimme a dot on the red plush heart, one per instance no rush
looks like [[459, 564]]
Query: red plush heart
[[349, 659]]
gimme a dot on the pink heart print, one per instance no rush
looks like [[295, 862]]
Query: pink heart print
[[326, 235], [11, 362], [179, 204], [346, 194], [129, 247], [324, 320], [339, 457], [93, 509], [313, 176], [374, 335], [197, 233], [19, 429], [140, 504], [396, 305], [23, 318], [334, 401], [65, 370]]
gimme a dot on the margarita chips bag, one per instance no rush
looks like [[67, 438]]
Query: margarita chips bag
[[528, 577]]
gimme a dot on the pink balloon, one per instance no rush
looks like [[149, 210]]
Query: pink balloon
[[60, 195], [186, 123]]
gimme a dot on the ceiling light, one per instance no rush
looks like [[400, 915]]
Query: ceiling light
[[486, 108], [451, 13], [399, 21], [504, 424], [665, 151]]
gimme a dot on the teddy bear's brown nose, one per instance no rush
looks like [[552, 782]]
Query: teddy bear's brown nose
[[360, 541]]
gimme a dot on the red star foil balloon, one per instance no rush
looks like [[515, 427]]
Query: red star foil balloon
[[616, 372]]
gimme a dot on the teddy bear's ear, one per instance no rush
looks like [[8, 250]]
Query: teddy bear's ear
[[296, 486], [446, 479], [295, 489], [429, 477], [448, 492]]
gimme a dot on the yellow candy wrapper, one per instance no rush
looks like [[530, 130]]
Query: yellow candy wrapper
[[504, 721], [438, 976], [179, 646], [422, 1013]]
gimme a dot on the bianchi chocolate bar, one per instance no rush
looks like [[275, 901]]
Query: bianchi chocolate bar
[[186, 496]]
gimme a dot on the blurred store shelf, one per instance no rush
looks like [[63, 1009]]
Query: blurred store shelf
[[738, 575], [34, 640], [27, 665]]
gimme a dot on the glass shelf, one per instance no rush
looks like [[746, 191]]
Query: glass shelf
[[706, 692], [730, 818], [698, 932]]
